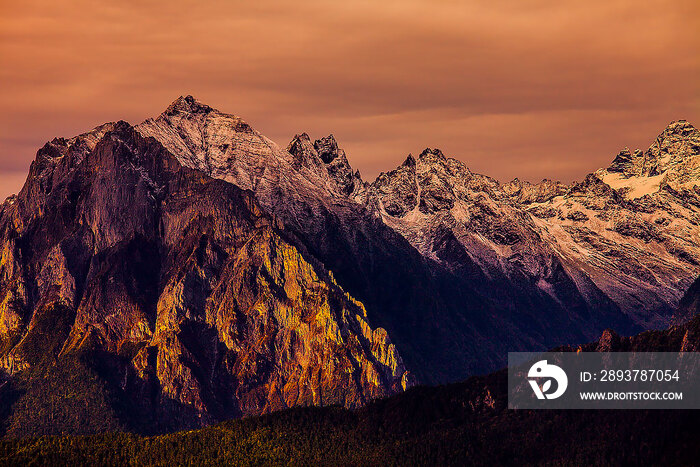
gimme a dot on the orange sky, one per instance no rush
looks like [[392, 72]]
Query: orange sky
[[527, 88]]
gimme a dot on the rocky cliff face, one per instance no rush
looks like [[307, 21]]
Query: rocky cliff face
[[190, 298]]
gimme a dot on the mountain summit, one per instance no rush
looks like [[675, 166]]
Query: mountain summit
[[671, 160]]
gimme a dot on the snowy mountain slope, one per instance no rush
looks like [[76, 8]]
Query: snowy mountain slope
[[628, 233]]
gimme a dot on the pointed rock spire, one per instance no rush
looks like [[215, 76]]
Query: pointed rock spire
[[327, 148], [410, 161], [680, 128], [428, 153], [187, 104], [303, 152]]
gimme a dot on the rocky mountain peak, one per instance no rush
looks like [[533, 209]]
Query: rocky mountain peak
[[303, 152], [187, 104], [300, 140], [679, 142], [327, 148], [514, 186], [671, 159], [321, 152], [682, 128], [207, 140], [431, 154], [188, 111], [410, 161], [325, 159], [225, 146], [197, 304], [626, 162]]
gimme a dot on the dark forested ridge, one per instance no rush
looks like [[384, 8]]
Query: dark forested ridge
[[457, 424], [335, 436]]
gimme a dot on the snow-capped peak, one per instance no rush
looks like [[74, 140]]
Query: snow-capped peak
[[673, 159]]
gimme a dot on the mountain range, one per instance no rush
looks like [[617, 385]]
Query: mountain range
[[192, 270]]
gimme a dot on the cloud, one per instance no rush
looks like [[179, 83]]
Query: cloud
[[534, 88]]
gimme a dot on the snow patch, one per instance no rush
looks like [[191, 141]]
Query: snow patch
[[637, 186]]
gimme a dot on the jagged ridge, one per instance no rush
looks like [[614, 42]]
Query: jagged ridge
[[434, 305], [194, 293]]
